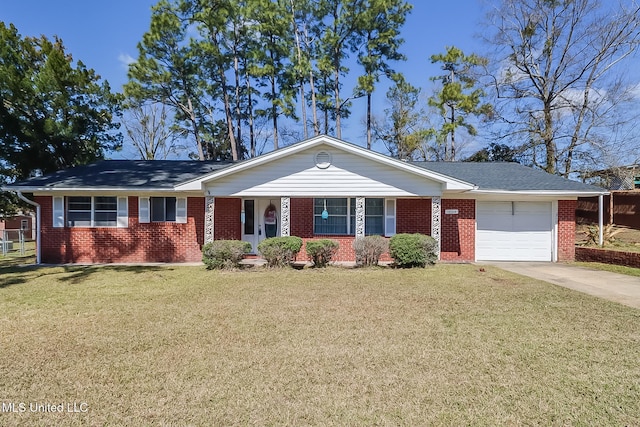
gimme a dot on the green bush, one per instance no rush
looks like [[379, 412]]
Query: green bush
[[224, 253], [321, 251], [369, 249], [280, 251], [413, 250]]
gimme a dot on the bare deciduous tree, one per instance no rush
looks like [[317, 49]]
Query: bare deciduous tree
[[560, 87], [149, 132]]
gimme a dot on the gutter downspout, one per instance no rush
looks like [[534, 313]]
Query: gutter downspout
[[32, 203]]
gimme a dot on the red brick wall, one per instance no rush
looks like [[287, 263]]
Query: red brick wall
[[629, 259], [301, 216], [567, 230], [147, 242], [226, 219], [458, 231], [413, 216], [302, 226]]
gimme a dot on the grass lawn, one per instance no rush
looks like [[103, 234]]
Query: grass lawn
[[450, 345], [629, 271]]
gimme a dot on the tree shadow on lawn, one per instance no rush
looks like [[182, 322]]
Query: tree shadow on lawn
[[17, 275], [80, 274]]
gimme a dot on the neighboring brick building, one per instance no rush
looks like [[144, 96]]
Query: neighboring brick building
[[23, 222], [165, 211]]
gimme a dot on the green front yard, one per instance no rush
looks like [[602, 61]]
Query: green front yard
[[449, 345]]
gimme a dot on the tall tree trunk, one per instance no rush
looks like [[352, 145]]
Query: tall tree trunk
[[229, 118], [312, 89], [196, 134], [252, 139], [369, 120], [236, 70], [326, 110], [336, 94], [314, 107], [453, 134], [274, 106], [303, 103], [303, 109], [274, 113], [547, 138]]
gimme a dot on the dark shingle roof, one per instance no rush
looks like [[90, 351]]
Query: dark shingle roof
[[134, 174], [165, 174], [505, 176]]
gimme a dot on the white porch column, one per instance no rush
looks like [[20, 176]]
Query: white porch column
[[208, 219], [359, 217], [285, 216], [436, 212], [601, 218]]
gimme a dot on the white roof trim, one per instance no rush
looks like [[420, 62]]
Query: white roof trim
[[197, 184], [87, 189], [543, 192]]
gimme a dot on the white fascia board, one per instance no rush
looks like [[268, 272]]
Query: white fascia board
[[449, 183], [543, 193], [88, 190]]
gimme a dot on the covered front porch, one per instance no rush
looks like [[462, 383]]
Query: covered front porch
[[323, 188], [253, 219]]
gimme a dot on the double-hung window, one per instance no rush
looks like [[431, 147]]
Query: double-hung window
[[105, 211], [163, 209], [79, 211], [374, 217], [341, 216], [92, 211]]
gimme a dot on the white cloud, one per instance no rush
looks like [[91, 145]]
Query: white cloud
[[125, 59]]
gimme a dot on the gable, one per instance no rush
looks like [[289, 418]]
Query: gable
[[347, 173], [351, 166]]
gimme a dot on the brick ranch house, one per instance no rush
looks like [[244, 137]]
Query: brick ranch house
[[164, 211]]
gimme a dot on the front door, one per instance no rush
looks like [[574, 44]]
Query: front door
[[261, 220]]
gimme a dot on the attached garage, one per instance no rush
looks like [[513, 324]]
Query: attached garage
[[514, 231]]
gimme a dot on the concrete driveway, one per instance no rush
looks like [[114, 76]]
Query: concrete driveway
[[612, 286]]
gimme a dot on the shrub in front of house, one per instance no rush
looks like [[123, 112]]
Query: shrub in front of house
[[413, 250], [369, 249], [224, 254], [280, 251], [321, 251]]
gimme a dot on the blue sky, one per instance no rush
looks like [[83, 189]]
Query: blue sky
[[103, 34]]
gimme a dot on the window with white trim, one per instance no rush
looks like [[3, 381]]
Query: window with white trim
[[337, 221], [374, 217], [163, 209], [341, 219], [87, 211]]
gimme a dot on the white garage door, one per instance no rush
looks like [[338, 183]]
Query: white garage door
[[514, 231]]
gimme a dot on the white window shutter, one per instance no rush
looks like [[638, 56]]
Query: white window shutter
[[123, 212], [58, 211], [181, 210], [390, 218], [144, 214]]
